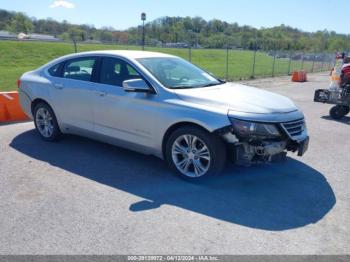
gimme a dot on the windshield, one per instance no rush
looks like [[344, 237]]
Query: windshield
[[174, 72]]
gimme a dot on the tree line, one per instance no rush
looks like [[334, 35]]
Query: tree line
[[196, 32]]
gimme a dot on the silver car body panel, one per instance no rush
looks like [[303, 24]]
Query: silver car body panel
[[139, 121], [240, 98]]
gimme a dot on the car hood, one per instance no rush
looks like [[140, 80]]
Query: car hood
[[237, 97]]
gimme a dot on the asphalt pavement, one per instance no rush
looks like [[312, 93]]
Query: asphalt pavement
[[79, 196]]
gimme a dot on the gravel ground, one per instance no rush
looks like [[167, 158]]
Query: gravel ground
[[84, 197]]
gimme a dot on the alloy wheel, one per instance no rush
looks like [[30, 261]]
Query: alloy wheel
[[191, 155], [44, 122]]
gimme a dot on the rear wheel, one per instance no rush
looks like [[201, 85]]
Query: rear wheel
[[338, 111], [194, 153], [46, 123]]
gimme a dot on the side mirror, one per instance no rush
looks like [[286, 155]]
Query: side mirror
[[137, 85]]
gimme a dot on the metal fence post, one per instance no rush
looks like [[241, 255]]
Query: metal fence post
[[313, 64], [190, 54], [302, 62], [330, 64], [75, 46], [227, 51], [274, 63], [290, 62], [254, 59]]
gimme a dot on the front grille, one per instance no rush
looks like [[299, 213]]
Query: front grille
[[294, 128]]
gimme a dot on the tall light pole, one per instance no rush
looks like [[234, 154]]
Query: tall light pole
[[143, 18]]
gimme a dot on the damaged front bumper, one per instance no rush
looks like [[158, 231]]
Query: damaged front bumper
[[247, 151], [246, 154]]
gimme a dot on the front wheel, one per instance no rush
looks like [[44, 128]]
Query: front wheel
[[338, 111], [194, 153]]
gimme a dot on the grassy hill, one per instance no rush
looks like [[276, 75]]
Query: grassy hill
[[17, 57]]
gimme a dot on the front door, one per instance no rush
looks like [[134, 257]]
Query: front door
[[123, 115]]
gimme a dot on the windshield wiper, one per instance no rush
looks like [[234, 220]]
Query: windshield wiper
[[199, 86], [214, 84], [182, 87]]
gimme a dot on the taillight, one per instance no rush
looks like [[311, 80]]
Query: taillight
[[19, 83]]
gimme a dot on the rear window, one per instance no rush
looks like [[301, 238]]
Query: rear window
[[55, 70], [79, 69]]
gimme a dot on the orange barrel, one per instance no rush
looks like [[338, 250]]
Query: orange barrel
[[10, 109]]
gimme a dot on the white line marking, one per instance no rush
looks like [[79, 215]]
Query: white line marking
[[8, 96]]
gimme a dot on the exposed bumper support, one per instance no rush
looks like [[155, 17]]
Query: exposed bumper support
[[246, 153]]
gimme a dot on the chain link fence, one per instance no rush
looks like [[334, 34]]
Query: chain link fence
[[229, 64], [239, 64]]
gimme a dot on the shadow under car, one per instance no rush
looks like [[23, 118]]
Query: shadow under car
[[271, 197]]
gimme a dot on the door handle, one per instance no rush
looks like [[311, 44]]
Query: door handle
[[58, 86], [101, 93]]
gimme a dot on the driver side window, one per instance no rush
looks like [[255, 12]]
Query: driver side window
[[115, 71]]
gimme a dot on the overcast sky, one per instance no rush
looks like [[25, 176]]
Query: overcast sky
[[309, 15]]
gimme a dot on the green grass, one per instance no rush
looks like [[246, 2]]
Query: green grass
[[17, 57]]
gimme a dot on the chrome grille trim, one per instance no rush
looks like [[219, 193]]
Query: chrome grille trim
[[294, 128]]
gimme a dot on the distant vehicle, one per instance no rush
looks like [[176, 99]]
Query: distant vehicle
[[5, 35], [176, 45], [41, 37], [338, 93], [161, 105]]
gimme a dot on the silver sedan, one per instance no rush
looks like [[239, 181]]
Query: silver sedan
[[161, 105]]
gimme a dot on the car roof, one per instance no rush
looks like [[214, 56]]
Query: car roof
[[127, 54], [133, 54]]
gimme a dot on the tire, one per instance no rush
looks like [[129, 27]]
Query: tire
[[205, 157], [347, 109], [46, 123], [338, 112]]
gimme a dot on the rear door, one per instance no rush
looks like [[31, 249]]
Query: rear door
[[75, 93]]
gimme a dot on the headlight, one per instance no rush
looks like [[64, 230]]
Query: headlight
[[252, 129]]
